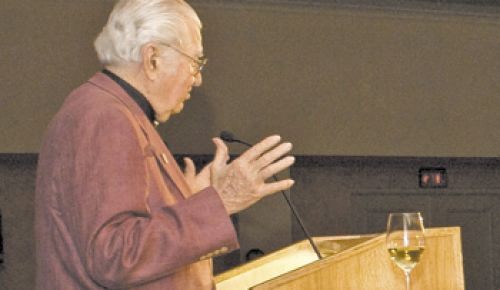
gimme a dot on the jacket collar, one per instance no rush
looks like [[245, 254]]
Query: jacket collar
[[135, 94], [107, 84]]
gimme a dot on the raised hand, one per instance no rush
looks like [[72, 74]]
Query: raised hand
[[241, 183]]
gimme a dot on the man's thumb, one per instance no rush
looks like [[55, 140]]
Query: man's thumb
[[221, 153]]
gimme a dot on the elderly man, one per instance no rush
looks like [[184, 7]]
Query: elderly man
[[113, 209]]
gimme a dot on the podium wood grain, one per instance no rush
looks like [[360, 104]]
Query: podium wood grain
[[354, 263]]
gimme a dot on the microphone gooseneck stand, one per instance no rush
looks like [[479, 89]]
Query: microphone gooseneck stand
[[229, 137]]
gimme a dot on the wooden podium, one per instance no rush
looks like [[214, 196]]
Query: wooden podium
[[351, 263]]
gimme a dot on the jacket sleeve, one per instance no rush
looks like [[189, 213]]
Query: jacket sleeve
[[124, 241]]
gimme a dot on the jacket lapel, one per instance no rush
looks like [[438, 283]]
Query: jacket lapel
[[168, 163]]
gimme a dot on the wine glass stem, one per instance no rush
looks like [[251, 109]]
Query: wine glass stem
[[407, 275]]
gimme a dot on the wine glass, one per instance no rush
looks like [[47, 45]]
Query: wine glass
[[405, 241]]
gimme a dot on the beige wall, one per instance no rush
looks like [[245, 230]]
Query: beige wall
[[334, 81]]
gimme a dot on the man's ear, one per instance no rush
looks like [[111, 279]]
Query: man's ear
[[150, 59]]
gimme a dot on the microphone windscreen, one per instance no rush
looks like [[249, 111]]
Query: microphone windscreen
[[227, 136]]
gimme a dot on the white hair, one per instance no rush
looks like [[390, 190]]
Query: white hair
[[134, 23]]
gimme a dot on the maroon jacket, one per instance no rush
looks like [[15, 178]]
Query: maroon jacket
[[113, 210]]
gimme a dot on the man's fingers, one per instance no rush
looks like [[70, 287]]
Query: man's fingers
[[273, 154], [270, 188], [258, 149], [277, 167], [221, 153]]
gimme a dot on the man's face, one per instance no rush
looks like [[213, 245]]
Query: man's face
[[174, 84]]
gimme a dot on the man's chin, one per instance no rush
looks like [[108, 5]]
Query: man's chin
[[178, 108], [163, 117]]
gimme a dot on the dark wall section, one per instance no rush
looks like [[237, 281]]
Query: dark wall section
[[334, 196], [1, 242], [353, 195], [17, 187]]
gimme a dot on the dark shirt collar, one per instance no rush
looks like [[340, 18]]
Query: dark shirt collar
[[137, 96]]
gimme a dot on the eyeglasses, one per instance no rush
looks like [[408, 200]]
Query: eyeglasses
[[198, 62]]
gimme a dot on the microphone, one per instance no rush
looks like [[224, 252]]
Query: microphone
[[230, 138]]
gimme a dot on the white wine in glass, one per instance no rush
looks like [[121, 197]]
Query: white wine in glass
[[405, 241]]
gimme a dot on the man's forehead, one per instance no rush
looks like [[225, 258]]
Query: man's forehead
[[195, 46]]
